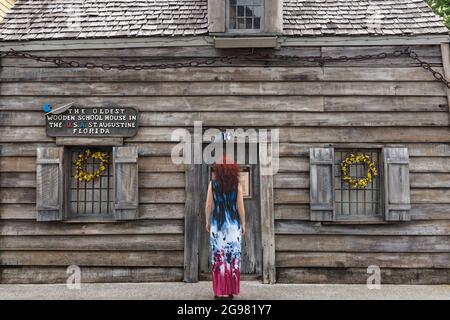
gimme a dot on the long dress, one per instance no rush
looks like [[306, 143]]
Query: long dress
[[225, 243]]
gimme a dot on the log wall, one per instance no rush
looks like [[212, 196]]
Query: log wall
[[370, 103]]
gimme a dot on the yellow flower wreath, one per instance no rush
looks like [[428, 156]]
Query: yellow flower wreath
[[81, 159], [355, 159]]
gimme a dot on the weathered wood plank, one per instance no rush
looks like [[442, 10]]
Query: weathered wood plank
[[418, 212], [17, 164], [188, 74], [363, 243], [155, 149], [162, 196], [386, 135], [436, 227], [57, 228], [47, 275], [243, 103], [192, 221], [387, 104], [291, 180], [338, 51], [17, 180], [255, 119], [362, 260], [401, 62], [12, 149], [424, 164], [291, 196], [158, 164], [17, 74], [359, 276], [445, 51], [429, 150], [223, 88], [18, 195], [75, 141], [430, 196], [24, 134], [293, 164], [147, 149], [360, 135], [185, 103], [93, 258], [266, 189], [430, 180], [430, 211], [18, 211], [191, 52], [162, 180], [93, 243], [146, 211], [292, 212], [28, 195]]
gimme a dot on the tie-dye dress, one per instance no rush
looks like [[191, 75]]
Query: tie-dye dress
[[225, 242]]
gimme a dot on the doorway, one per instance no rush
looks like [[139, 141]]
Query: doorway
[[251, 252]]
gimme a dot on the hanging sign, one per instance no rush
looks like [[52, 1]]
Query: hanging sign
[[92, 121]]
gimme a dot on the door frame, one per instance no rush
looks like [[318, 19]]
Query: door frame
[[193, 209]]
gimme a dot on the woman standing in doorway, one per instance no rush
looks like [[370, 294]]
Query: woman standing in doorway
[[226, 227]]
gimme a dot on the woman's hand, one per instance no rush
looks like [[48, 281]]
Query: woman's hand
[[243, 230], [208, 227]]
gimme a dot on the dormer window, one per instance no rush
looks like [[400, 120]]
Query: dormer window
[[244, 15]]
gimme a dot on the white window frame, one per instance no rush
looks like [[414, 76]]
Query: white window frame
[[243, 31]]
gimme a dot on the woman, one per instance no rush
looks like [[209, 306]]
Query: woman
[[226, 228]]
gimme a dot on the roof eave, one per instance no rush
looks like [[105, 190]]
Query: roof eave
[[284, 41]]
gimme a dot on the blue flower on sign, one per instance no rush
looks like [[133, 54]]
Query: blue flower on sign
[[47, 108]]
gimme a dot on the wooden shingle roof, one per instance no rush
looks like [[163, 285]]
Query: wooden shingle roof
[[78, 19]]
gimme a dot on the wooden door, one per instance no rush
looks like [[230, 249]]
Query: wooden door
[[251, 251]]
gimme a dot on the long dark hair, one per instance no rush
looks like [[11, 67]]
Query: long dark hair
[[226, 173]]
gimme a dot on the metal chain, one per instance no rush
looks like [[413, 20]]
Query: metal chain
[[196, 62]]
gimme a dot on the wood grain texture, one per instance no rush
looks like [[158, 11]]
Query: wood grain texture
[[362, 260], [359, 276], [253, 119], [113, 243], [362, 243], [392, 102], [29, 227], [193, 209], [45, 275], [223, 88]]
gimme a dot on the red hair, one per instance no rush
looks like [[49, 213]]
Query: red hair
[[226, 173]]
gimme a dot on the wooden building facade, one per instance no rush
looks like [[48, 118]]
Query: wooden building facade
[[305, 224]]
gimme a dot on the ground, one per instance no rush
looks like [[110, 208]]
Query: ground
[[202, 290]]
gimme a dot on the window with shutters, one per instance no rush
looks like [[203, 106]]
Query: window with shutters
[[244, 15], [94, 198], [387, 197], [357, 203], [112, 194]]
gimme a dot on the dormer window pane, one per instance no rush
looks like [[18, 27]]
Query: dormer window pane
[[244, 15]]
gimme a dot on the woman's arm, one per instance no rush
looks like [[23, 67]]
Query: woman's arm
[[241, 207], [208, 206]]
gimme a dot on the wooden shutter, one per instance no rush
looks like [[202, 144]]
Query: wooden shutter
[[49, 184], [396, 184], [322, 184], [126, 198]]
